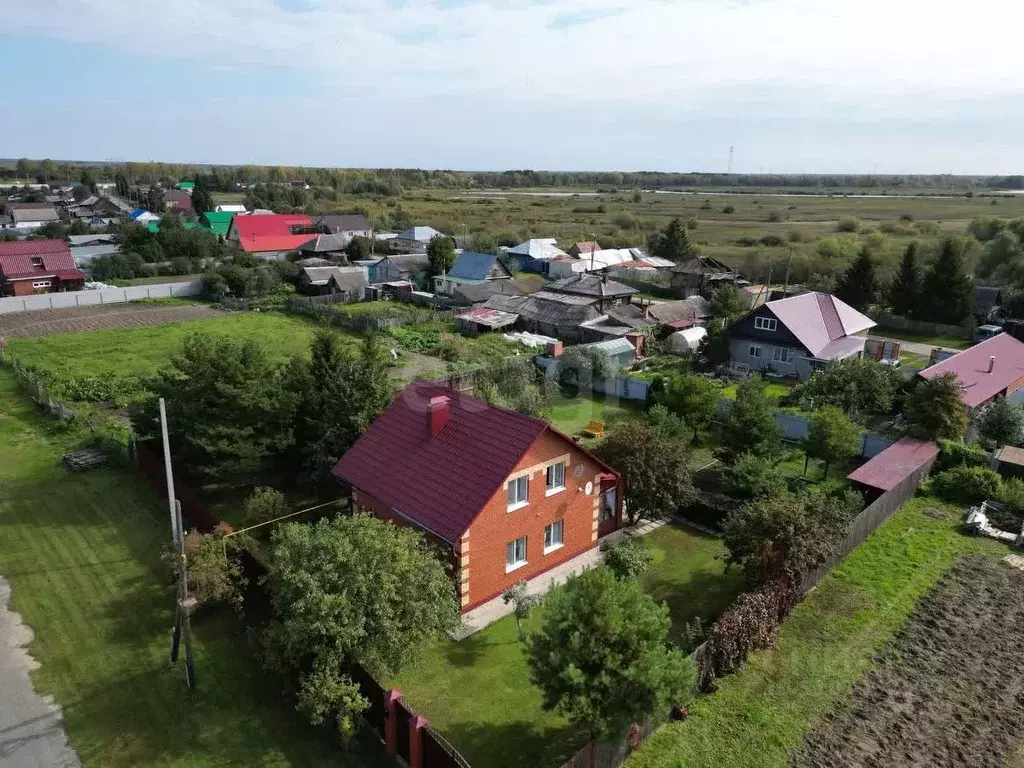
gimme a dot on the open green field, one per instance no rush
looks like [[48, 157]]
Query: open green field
[[761, 713], [143, 351], [478, 694], [806, 224], [81, 552]]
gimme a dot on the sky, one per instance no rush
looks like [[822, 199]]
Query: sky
[[794, 86]]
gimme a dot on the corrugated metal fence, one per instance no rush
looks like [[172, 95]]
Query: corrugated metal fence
[[97, 298]]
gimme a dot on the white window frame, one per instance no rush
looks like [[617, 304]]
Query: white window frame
[[754, 348], [550, 544], [42, 284], [519, 498], [515, 554], [766, 323], [782, 352], [551, 490]]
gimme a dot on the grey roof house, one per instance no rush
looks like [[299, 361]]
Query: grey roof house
[[797, 336], [326, 246], [701, 275], [30, 215], [471, 268], [549, 314], [413, 240], [603, 293], [343, 224], [477, 293], [410, 266], [349, 281]]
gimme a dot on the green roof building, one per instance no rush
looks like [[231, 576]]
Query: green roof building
[[218, 222], [186, 185]]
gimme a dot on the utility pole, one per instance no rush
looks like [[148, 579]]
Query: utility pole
[[184, 605], [730, 159], [785, 291]]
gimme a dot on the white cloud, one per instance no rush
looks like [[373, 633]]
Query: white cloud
[[903, 53]]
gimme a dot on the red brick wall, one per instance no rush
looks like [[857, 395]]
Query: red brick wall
[[482, 556], [21, 288]]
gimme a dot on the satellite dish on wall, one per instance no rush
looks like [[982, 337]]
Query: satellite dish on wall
[[589, 489]]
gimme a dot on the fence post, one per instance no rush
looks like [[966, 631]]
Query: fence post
[[416, 726], [391, 720]]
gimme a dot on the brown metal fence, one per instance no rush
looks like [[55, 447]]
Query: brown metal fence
[[403, 716], [372, 691], [438, 753]]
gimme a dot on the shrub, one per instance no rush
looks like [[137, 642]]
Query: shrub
[[848, 224], [844, 247], [797, 235], [967, 485], [754, 476], [774, 216], [692, 223], [772, 241], [264, 505], [625, 221], [729, 209], [629, 559]]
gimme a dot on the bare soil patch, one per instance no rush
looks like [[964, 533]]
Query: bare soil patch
[[47, 322], [949, 690]]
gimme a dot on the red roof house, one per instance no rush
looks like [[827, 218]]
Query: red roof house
[[38, 266], [991, 369], [508, 496], [270, 235], [895, 464]]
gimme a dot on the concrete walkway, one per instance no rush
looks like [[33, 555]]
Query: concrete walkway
[[31, 734], [492, 610]]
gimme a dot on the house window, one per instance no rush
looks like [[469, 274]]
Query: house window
[[755, 351], [553, 536], [766, 323], [783, 355], [556, 478], [37, 261], [41, 284], [518, 492], [515, 554]]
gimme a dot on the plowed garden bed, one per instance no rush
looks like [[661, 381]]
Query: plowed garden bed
[[949, 690], [46, 322]]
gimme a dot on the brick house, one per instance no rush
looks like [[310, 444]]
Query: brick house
[[506, 496], [28, 267]]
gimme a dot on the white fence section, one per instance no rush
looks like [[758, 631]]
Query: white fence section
[[96, 298]]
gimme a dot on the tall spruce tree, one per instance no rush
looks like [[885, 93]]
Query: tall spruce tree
[[948, 295], [905, 291], [858, 285], [672, 243]]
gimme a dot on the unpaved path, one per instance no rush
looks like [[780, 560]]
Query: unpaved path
[[31, 732], [46, 322]]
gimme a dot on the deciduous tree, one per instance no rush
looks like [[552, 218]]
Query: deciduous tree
[[856, 385], [582, 366], [750, 426], [695, 398], [601, 658], [753, 477], [728, 302], [654, 470], [1002, 423], [441, 254], [935, 408], [831, 437]]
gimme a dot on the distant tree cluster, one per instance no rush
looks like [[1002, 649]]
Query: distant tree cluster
[[943, 293]]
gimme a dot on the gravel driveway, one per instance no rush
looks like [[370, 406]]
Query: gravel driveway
[[31, 733]]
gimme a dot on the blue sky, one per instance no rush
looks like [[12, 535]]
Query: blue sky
[[893, 86]]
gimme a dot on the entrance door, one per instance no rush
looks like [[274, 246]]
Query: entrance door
[[607, 516]]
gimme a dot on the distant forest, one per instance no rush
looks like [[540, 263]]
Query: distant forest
[[392, 181]]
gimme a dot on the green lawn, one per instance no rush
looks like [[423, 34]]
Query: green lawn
[[948, 342], [155, 280], [81, 552], [143, 351], [477, 692], [571, 414], [761, 713], [774, 390]]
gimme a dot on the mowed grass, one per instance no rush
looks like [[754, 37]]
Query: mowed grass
[[761, 713], [82, 555], [478, 693], [143, 351], [571, 415], [947, 342]]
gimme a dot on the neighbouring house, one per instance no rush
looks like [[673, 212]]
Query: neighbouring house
[[548, 314], [536, 255], [218, 222], [484, 320], [987, 302], [477, 293], [987, 371], [506, 496], [797, 336], [186, 186], [330, 247], [413, 240], [349, 225], [471, 269], [585, 248], [677, 315], [903, 461], [349, 282], [38, 266], [396, 267], [85, 248], [621, 352], [177, 199], [603, 293], [142, 216], [113, 205], [1010, 461], [701, 275], [230, 208], [30, 215], [270, 236]]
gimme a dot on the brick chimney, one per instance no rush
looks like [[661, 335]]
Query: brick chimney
[[555, 349], [991, 363], [438, 413]]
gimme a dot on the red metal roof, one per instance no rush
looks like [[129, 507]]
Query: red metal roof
[[971, 368], [440, 482], [274, 243], [270, 225], [16, 259], [897, 462]]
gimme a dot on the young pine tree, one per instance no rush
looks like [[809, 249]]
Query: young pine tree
[[858, 285]]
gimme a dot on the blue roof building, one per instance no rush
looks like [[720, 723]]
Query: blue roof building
[[471, 268]]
